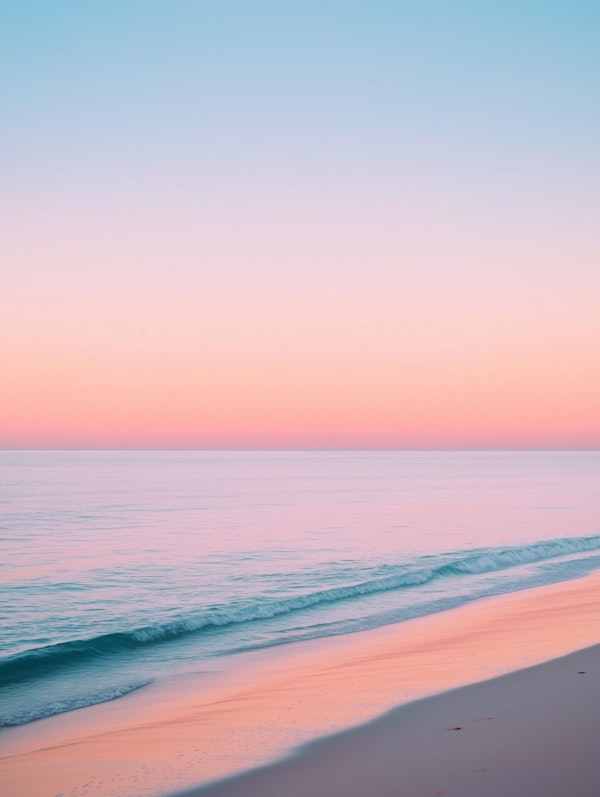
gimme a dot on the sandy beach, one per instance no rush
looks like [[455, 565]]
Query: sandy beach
[[542, 736], [532, 733]]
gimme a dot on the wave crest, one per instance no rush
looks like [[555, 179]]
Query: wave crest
[[40, 661]]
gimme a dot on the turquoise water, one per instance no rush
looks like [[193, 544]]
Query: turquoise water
[[122, 568]]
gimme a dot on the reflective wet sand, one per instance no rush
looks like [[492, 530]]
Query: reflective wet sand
[[159, 741]]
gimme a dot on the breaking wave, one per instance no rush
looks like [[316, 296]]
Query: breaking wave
[[39, 662], [61, 706]]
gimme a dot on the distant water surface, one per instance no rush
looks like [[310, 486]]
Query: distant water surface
[[120, 568]]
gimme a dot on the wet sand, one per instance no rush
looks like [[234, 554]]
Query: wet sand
[[161, 740]]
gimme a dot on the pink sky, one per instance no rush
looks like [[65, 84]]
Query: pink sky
[[230, 348]]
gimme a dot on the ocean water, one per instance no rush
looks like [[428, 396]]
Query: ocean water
[[124, 568]]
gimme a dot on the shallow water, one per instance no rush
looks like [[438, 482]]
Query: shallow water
[[124, 567]]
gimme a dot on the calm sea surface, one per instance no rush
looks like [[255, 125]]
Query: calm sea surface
[[120, 568]]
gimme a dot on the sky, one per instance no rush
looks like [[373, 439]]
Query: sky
[[330, 224]]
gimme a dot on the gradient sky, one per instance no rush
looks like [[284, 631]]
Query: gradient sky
[[300, 224]]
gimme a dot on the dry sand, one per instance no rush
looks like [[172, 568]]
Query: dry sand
[[158, 742], [533, 733]]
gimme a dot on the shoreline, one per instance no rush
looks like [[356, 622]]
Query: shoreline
[[164, 742]]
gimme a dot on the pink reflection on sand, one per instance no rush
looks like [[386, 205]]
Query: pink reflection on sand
[[152, 743]]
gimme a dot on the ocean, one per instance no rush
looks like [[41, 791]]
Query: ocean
[[122, 569]]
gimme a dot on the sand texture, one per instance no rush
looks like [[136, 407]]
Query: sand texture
[[533, 733]]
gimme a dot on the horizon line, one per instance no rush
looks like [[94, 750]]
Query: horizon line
[[299, 448]]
